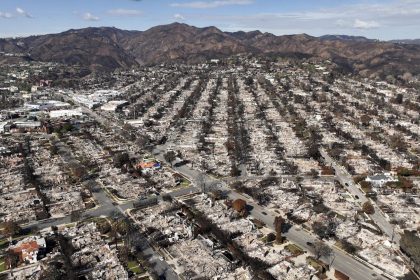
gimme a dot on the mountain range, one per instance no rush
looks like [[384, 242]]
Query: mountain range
[[108, 48]]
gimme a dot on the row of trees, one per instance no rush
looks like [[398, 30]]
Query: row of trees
[[273, 140], [238, 143], [150, 97], [172, 99], [190, 102], [308, 134], [206, 125], [32, 180]]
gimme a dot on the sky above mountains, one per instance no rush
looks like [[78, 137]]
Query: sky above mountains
[[376, 19]]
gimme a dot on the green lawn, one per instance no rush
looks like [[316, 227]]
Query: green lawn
[[2, 265], [134, 267], [185, 183]]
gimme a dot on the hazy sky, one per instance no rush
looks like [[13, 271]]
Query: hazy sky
[[382, 19]]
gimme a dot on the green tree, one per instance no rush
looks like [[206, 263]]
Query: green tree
[[75, 216], [322, 250], [11, 260], [121, 159], [11, 228], [170, 157]]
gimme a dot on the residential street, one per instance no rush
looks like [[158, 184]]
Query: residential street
[[340, 260], [346, 180]]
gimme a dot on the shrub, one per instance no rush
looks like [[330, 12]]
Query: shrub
[[368, 208]]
